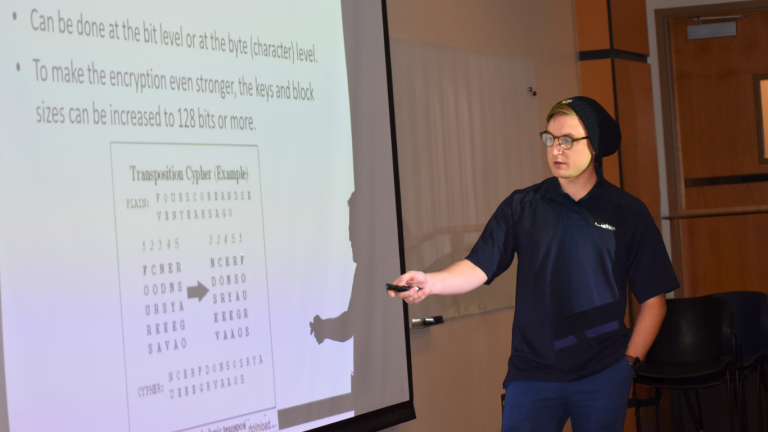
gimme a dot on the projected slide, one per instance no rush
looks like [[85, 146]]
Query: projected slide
[[193, 282], [176, 240]]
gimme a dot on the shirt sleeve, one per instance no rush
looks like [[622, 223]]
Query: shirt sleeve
[[650, 270], [495, 249]]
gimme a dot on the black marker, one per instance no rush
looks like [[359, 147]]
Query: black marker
[[401, 288]]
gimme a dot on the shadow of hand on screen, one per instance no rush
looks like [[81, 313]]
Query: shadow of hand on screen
[[341, 328], [317, 328], [336, 329]]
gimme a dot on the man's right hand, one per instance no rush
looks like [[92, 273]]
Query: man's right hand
[[459, 278], [414, 279]]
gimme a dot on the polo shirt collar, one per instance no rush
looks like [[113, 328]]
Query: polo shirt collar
[[554, 189]]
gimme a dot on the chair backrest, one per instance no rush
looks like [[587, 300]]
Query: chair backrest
[[751, 312], [695, 330]]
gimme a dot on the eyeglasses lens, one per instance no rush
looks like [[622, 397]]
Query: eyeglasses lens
[[548, 139]]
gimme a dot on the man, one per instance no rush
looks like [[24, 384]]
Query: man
[[579, 240]]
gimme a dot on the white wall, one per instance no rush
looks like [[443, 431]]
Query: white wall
[[458, 367]]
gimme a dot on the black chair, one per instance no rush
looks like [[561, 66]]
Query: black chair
[[751, 311], [694, 349]]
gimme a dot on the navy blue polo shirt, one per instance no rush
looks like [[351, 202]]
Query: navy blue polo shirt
[[574, 261]]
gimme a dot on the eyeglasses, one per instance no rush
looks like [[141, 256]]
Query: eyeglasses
[[566, 142]]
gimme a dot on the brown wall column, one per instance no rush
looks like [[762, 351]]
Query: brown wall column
[[613, 52]]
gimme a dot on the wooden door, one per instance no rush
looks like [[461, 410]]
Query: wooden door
[[717, 186]]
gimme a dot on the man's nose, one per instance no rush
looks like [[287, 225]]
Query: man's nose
[[556, 147]]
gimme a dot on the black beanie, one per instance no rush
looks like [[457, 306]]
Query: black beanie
[[602, 129]]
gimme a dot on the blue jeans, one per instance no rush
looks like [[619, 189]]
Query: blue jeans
[[595, 404]]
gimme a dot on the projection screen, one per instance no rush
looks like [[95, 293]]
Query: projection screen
[[199, 213]]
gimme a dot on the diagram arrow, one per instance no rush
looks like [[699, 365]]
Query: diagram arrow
[[198, 291]]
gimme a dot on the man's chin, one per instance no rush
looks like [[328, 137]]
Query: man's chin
[[562, 173]]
